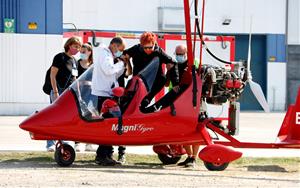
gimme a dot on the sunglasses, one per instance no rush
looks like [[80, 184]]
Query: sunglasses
[[148, 47]]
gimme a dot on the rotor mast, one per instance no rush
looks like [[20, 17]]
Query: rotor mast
[[188, 33]]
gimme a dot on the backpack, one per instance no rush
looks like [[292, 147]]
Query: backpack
[[47, 87]]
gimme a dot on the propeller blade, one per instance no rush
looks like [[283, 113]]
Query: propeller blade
[[258, 93], [255, 87], [249, 51]]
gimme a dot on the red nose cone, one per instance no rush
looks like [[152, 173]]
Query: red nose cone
[[39, 120], [27, 124], [61, 112]]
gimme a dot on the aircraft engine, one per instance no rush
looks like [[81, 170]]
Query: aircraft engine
[[222, 84]]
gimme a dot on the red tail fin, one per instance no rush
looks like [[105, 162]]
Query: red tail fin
[[290, 130]]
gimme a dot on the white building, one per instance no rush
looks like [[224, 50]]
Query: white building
[[26, 54]]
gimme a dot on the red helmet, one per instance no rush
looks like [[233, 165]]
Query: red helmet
[[107, 104]]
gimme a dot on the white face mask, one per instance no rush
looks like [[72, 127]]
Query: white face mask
[[83, 56], [118, 53], [180, 58]]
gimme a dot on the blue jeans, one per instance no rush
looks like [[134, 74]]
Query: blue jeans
[[52, 142]]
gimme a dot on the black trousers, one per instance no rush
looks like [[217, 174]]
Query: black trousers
[[166, 100], [171, 96], [158, 84], [107, 150]]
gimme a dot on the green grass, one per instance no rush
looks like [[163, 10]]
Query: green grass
[[291, 164], [137, 159], [267, 161], [26, 156], [86, 160], [80, 157]]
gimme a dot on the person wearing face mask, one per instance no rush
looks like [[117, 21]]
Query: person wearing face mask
[[63, 72], [184, 81], [180, 68], [86, 58], [85, 61], [142, 54], [185, 76], [106, 72], [105, 75], [64, 68]]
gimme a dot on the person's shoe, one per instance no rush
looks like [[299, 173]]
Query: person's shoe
[[98, 160], [116, 162], [188, 159], [121, 159], [51, 148], [106, 161], [191, 163]]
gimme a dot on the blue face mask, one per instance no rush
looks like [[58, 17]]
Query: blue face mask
[[180, 58], [83, 56], [118, 53]]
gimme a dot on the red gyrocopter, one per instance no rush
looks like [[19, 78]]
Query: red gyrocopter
[[73, 115]]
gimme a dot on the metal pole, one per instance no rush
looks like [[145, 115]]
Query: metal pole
[[202, 30], [188, 33], [287, 98]]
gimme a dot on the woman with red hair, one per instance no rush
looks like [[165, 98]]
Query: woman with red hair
[[142, 54]]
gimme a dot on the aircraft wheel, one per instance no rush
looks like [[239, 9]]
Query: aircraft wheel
[[168, 159], [215, 166], [64, 155]]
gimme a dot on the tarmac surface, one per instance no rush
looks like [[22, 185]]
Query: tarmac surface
[[254, 127], [47, 174]]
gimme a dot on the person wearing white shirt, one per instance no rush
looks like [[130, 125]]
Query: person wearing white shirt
[[106, 72], [105, 78]]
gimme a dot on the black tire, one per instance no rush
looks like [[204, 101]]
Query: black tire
[[67, 157], [168, 159], [215, 167]]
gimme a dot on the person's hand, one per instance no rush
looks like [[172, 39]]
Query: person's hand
[[55, 96], [169, 66], [176, 89], [119, 59], [125, 63], [122, 57], [125, 59]]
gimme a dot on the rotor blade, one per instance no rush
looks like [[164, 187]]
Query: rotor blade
[[249, 51], [258, 93]]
